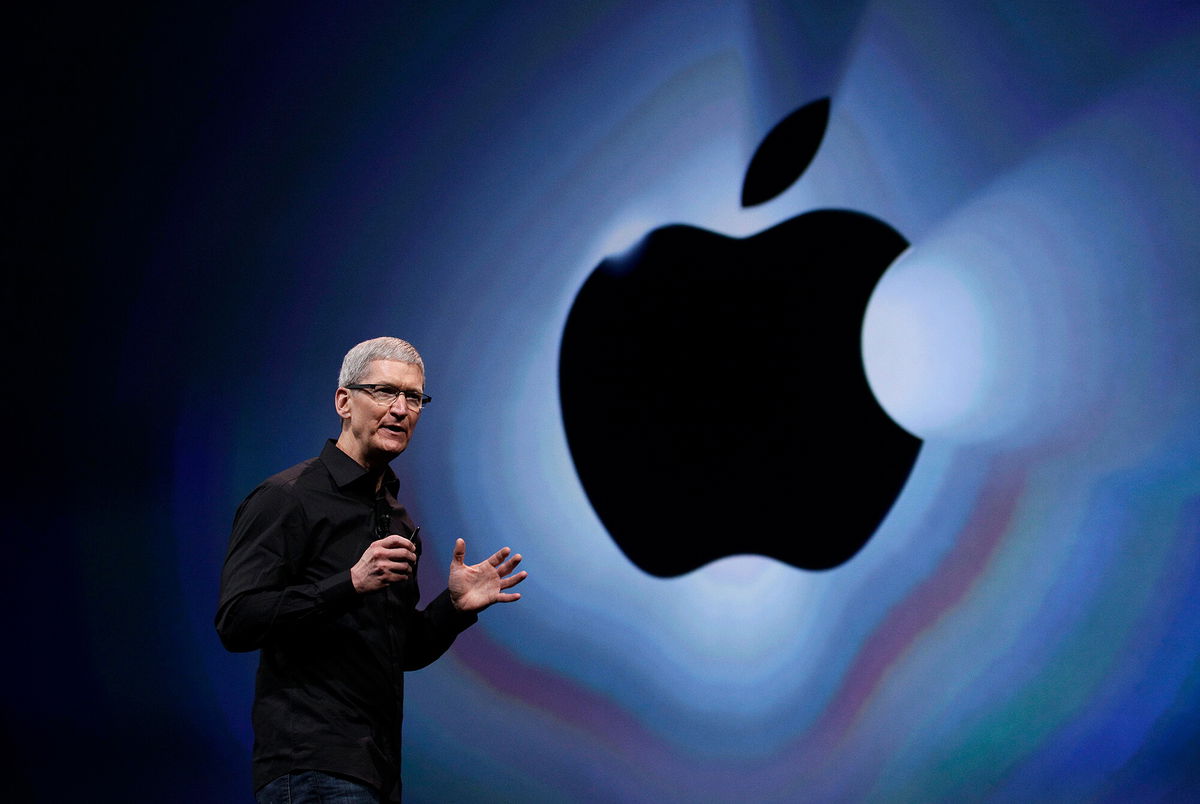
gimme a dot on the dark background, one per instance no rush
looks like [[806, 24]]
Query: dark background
[[208, 204]]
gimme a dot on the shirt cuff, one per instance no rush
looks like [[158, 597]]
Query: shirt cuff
[[336, 589], [443, 614]]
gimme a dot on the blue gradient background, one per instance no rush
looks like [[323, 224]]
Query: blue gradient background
[[214, 204]]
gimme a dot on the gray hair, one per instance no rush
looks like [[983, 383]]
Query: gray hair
[[357, 361]]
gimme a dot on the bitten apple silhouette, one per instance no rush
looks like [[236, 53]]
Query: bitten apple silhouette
[[713, 390]]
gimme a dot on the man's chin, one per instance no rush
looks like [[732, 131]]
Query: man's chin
[[391, 447]]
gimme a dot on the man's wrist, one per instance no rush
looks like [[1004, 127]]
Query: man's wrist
[[451, 611], [337, 587]]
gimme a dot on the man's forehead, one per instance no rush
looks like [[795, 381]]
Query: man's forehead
[[395, 371]]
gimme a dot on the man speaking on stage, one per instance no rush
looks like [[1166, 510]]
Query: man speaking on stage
[[321, 577]]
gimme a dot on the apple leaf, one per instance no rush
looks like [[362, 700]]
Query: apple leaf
[[785, 153]]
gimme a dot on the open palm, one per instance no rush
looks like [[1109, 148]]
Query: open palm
[[474, 587]]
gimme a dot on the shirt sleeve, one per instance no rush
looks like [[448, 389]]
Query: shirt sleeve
[[429, 632], [259, 601]]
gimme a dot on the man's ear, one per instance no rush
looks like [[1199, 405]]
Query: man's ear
[[341, 402]]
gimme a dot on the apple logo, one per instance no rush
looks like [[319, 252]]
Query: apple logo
[[713, 391]]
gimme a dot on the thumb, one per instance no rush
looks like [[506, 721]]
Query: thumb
[[460, 551]]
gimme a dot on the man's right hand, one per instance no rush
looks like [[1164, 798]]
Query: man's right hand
[[387, 561]]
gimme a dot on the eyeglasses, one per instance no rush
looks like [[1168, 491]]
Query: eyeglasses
[[388, 394]]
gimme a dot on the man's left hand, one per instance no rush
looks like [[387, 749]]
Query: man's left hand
[[477, 586]]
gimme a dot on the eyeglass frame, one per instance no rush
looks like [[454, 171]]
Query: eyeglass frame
[[422, 398]]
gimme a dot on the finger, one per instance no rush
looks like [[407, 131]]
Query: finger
[[399, 565], [396, 540], [387, 563], [460, 551], [508, 597], [499, 556], [399, 554], [509, 566], [392, 560], [513, 580]]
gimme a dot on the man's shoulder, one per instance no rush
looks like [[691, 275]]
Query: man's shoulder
[[284, 491], [301, 474]]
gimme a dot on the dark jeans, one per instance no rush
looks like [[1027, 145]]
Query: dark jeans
[[314, 787]]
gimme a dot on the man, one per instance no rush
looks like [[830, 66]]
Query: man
[[321, 576]]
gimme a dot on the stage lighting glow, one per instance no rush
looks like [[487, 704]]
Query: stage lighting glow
[[1029, 599], [924, 346]]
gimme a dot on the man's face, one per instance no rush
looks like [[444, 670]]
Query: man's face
[[372, 433]]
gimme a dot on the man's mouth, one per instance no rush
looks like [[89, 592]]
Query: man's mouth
[[393, 428]]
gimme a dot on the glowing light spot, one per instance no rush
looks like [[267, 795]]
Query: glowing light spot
[[923, 346]]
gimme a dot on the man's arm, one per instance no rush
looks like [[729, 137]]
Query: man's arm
[[471, 589], [260, 600]]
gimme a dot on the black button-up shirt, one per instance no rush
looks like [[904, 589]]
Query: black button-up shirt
[[330, 689]]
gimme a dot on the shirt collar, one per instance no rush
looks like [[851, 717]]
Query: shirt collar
[[346, 471]]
